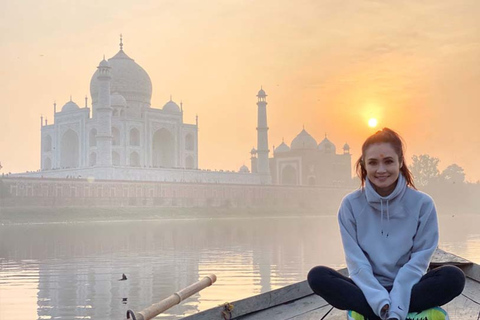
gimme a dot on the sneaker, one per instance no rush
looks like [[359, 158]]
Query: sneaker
[[352, 315], [436, 313]]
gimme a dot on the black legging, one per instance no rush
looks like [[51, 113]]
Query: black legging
[[436, 288]]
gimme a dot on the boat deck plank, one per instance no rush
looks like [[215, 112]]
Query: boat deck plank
[[466, 306], [294, 310], [297, 301]]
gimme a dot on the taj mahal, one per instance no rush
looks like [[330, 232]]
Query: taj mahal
[[122, 137]]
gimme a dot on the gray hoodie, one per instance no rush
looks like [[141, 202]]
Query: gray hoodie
[[388, 241]]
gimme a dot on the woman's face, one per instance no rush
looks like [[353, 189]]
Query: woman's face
[[383, 167]]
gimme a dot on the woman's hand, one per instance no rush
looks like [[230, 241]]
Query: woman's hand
[[384, 312]]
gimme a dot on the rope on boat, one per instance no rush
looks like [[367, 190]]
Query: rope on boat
[[131, 314], [227, 310]]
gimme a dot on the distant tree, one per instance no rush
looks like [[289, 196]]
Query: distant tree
[[424, 169], [453, 174]]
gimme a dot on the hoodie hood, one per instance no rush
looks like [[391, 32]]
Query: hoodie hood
[[375, 200], [382, 204]]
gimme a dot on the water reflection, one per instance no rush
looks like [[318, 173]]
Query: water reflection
[[67, 271]]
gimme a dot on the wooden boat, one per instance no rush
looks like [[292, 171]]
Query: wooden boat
[[297, 301]]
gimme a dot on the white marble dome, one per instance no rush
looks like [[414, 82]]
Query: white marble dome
[[104, 63], [244, 169], [171, 106], [117, 100], [303, 141], [282, 148], [128, 79], [70, 106], [327, 146]]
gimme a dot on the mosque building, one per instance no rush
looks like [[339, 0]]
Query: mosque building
[[304, 162], [124, 129], [122, 137]]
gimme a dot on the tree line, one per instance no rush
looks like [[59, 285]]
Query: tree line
[[425, 171], [451, 192]]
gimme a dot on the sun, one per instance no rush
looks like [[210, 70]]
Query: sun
[[372, 123]]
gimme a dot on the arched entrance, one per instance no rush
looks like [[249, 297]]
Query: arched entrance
[[115, 158], [189, 144], [92, 139], [69, 150], [189, 162], [289, 175], [163, 149], [115, 136], [47, 165], [134, 137], [134, 160], [47, 146], [93, 159]]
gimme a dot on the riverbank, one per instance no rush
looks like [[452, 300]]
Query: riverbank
[[22, 215]]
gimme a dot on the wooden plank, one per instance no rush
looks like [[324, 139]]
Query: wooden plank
[[463, 308], [472, 271], [472, 290], [307, 305], [441, 257], [259, 302], [314, 314], [337, 314]]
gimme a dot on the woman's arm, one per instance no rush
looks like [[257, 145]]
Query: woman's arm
[[424, 245]]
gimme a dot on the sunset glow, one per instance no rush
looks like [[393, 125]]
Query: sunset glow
[[321, 72], [372, 123]]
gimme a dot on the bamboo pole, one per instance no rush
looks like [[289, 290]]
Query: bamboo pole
[[159, 307]]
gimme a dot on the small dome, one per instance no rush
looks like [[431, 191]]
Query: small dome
[[346, 147], [303, 141], [261, 93], [253, 151], [327, 146], [171, 106], [282, 148], [70, 106], [104, 63], [244, 169], [117, 100]]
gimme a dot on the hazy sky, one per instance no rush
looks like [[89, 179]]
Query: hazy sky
[[326, 65]]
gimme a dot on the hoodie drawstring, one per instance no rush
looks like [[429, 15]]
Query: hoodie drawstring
[[381, 215], [388, 218]]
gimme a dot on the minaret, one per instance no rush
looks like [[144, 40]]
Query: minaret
[[103, 115], [262, 138], [253, 161]]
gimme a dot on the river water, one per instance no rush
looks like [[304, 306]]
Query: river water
[[72, 270]]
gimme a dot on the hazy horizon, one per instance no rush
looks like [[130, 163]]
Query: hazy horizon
[[325, 65]]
